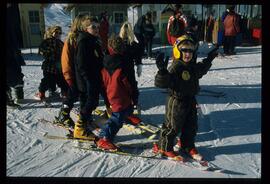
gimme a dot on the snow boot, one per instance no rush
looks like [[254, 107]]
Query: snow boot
[[193, 152], [171, 155], [134, 120], [155, 148], [64, 118], [81, 131], [106, 144], [40, 96]]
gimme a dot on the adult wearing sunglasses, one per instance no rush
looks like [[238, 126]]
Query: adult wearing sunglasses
[[183, 84]]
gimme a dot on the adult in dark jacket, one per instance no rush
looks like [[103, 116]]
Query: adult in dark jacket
[[183, 84], [139, 33], [118, 92], [149, 33], [231, 28], [88, 65], [14, 60]]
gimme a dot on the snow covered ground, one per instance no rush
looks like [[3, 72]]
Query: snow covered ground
[[229, 130]]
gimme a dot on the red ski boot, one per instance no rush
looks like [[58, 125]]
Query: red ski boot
[[193, 152], [171, 155], [134, 120], [106, 144]]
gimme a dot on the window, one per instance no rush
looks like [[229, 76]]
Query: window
[[34, 29], [34, 22], [118, 17], [33, 16]]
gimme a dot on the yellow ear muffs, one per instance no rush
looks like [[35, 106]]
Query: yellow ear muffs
[[176, 53]]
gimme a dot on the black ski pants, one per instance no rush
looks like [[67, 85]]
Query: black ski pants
[[229, 44], [50, 79], [180, 118]]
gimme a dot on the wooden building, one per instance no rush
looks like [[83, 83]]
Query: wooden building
[[32, 23]]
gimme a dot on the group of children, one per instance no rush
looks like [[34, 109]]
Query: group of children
[[88, 72]]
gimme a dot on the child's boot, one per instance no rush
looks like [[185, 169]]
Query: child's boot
[[193, 152], [81, 131], [171, 155], [134, 120], [40, 96], [106, 144], [64, 117]]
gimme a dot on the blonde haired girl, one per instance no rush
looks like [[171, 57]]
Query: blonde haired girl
[[68, 69], [126, 32], [132, 53]]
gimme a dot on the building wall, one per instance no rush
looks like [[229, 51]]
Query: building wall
[[32, 32], [97, 9]]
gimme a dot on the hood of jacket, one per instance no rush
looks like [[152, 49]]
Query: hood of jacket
[[113, 62]]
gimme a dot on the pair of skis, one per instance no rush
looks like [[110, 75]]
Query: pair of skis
[[125, 151], [124, 147]]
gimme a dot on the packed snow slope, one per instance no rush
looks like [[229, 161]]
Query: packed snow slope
[[229, 133]]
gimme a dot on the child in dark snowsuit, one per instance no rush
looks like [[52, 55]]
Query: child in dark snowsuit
[[118, 92], [183, 84], [51, 49]]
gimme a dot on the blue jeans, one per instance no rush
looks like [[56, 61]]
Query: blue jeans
[[114, 123]]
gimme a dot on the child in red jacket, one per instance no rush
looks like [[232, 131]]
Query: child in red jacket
[[118, 90]]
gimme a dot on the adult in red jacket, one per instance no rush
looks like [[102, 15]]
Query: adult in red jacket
[[104, 30], [176, 25], [231, 28], [118, 92]]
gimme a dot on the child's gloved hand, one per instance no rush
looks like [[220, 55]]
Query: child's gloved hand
[[212, 54], [161, 63]]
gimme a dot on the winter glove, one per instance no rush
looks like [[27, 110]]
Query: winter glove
[[161, 63], [212, 54], [139, 70]]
